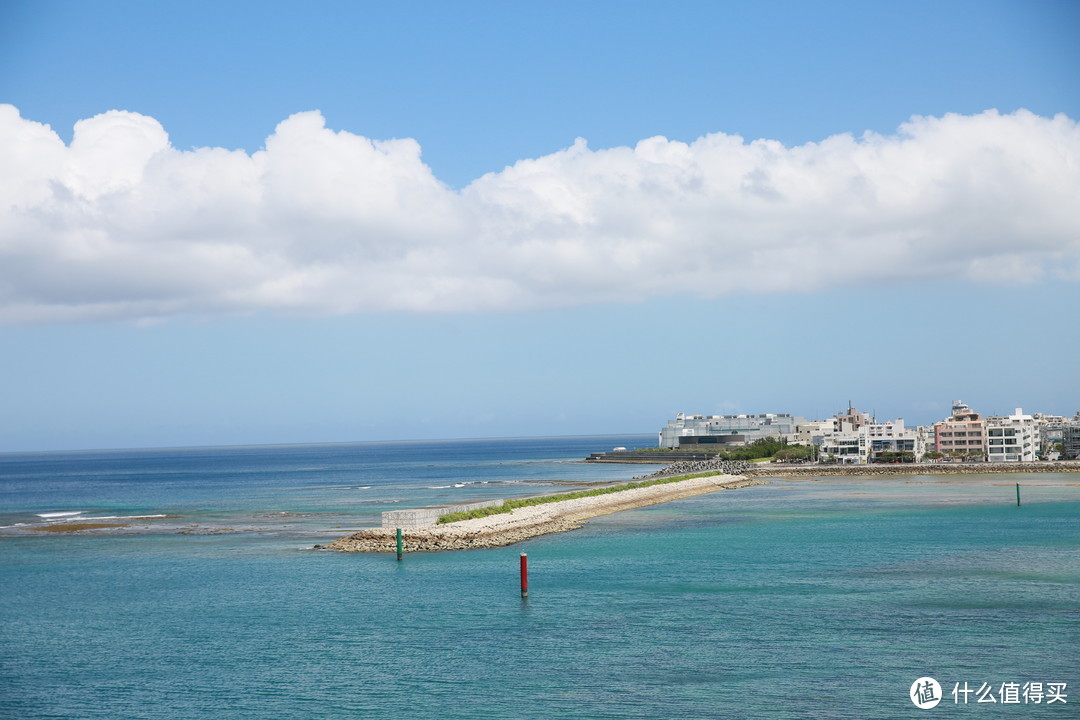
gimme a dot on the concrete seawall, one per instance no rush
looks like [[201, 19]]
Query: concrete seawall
[[429, 516]]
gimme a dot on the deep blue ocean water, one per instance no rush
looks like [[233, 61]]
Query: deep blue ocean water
[[817, 599]]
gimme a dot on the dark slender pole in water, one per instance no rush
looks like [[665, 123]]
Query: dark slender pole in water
[[524, 575], [1017, 494], [399, 544]]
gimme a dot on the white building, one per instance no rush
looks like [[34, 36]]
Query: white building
[[729, 430], [844, 447], [1012, 439], [813, 432], [891, 441], [873, 443], [926, 436]]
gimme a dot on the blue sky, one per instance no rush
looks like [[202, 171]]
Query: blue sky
[[309, 280]]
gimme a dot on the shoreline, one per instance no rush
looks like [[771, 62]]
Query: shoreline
[[533, 521], [983, 468], [778, 470]]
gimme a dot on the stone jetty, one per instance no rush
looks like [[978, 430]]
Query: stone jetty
[[529, 522], [689, 467]]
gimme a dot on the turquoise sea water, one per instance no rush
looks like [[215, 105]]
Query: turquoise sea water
[[822, 599]]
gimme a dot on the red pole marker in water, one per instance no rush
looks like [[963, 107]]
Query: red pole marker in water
[[524, 575]]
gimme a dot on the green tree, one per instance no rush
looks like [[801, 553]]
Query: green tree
[[795, 452]]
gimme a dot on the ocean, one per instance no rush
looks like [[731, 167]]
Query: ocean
[[823, 598]]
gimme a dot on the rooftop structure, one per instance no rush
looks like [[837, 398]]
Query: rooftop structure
[[962, 434], [852, 419]]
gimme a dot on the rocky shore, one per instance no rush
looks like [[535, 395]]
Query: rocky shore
[[688, 467], [529, 522]]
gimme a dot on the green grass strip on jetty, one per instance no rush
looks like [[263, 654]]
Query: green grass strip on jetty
[[544, 499]]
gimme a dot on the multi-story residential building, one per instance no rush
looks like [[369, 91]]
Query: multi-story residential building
[[730, 430], [1070, 439], [873, 443], [1051, 430], [1014, 438], [813, 432], [890, 442], [962, 434], [843, 447], [926, 437]]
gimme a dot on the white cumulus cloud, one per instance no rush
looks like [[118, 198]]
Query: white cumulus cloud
[[119, 225]]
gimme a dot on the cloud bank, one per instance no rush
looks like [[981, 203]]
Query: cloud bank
[[120, 225]]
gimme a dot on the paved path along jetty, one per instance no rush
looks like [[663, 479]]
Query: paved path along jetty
[[528, 522]]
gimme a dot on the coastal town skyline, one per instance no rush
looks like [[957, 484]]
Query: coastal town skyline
[[855, 437], [368, 222]]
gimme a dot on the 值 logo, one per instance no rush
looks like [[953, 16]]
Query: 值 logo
[[925, 693]]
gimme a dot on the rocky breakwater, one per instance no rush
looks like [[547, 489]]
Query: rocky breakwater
[[528, 522], [775, 470], [688, 467]]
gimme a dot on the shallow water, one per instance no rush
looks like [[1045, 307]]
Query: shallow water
[[800, 598]]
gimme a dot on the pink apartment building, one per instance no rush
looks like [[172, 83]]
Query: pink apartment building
[[964, 432]]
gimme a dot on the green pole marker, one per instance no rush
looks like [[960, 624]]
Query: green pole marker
[[1017, 494], [399, 544]]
